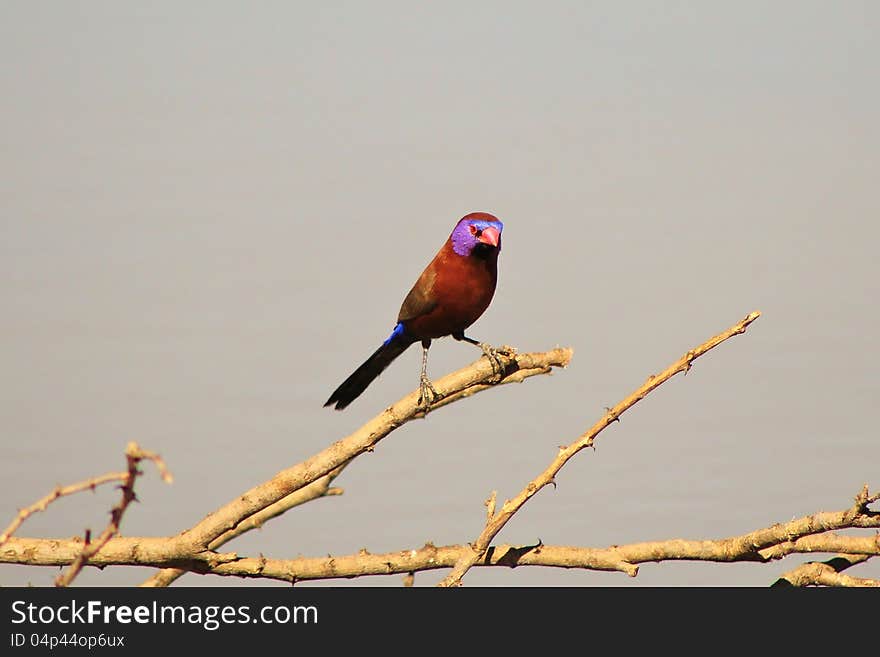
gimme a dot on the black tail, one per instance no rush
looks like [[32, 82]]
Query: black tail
[[353, 386]]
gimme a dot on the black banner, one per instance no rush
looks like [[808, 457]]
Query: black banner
[[133, 620]]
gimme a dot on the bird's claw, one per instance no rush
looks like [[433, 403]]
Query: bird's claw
[[428, 394], [494, 357]]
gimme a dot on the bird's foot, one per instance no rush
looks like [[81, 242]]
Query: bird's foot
[[428, 394], [494, 356]]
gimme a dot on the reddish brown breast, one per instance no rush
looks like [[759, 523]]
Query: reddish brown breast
[[455, 290]]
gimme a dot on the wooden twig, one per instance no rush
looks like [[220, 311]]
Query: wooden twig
[[289, 487], [468, 380], [315, 490], [510, 507], [808, 534], [134, 455], [827, 573], [310, 480], [59, 491]]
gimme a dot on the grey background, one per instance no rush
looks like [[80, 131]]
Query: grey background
[[212, 211]]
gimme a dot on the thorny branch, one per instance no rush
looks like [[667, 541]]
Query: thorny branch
[[510, 507], [806, 535], [195, 550]]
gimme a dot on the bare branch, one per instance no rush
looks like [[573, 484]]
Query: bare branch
[[510, 507], [310, 480], [291, 487], [828, 542], [134, 455], [490, 504], [59, 491], [809, 534], [315, 490], [827, 573], [471, 379], [89, 484]]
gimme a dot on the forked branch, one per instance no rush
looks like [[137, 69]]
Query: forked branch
[[497, 521], [810, 534]]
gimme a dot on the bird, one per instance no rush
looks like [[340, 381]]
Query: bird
[[451, 293]]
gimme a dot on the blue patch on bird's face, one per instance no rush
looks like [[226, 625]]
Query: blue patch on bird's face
[[465, 235], [398, 330]]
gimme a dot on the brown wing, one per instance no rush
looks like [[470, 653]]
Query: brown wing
[[420, 300]]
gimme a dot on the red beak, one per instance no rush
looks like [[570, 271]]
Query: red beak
[[490, 235]]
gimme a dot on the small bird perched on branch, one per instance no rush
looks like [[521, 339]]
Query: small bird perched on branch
[[450, 295]]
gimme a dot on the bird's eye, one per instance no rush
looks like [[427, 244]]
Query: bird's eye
[[474, 230]]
